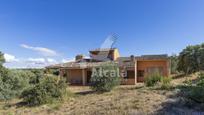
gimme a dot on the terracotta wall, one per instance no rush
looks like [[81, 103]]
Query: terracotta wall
[[143, 65], [74, 76]]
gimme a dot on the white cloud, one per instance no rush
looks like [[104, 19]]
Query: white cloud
[[36, 60], [31, 63], [40, 62], [67, 60], [43, 51], [50, 60], [10, 58]]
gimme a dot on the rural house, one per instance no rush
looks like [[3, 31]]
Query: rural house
[[135, 67]]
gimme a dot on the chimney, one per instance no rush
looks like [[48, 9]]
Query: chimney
[[132, 58], [79, 57]]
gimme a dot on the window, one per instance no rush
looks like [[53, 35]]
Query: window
[[140, 73], [130, 74], [152, 70]]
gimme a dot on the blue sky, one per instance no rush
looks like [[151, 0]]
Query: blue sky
[[52, 31]]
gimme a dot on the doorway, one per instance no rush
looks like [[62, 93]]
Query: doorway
[[88, 80]]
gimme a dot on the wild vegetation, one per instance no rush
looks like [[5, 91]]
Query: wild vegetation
[[105, 77], [194, 91], [49, 88], [174, 63], [190, 60], [35, 88], [32, 85], [152, 79], [155, 79]]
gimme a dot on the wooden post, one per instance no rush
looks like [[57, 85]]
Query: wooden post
[[83, 77]]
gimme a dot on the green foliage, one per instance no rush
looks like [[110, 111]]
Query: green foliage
[[48, 89], [174, 64], [35, 75], [2, 60], [190, 60], [166, 83], [152, 79], [105, 82], [194, 92], [53, 71], [12, 83], [32, 84], [201, 79]]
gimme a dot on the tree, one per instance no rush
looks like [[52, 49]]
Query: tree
[[2, 59], [174, 63], [190, 60]]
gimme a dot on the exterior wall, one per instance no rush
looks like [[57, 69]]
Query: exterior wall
[[143, 65], [112, 54], [74, 76], [116, 54]]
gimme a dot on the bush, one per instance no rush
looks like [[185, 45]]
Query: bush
[[12, 83], [174, 63], [50, 88], [152, 79], [196, 94], [166, 83], [105, 82], [201, 79], [35, 75], [195, 91]]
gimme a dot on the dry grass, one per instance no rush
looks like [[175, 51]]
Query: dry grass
[[121, 101], [124, 100]]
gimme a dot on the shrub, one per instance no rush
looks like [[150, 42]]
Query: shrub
[[195, 91], [166, 83], [106, 81], [53, 71], [174, 63], [35, 75], [196, 94], [152, 79], [12, 83], [50, 88], [200, 81]]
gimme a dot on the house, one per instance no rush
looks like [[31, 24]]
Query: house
[[135, 67]]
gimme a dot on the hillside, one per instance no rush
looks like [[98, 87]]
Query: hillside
[[121, 101]]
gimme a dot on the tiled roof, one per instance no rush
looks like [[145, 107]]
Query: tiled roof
[[145, 57], [121, 61], [82, 64], [152, 57]]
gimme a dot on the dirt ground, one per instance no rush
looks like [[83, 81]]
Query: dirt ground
[[124, 100]]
